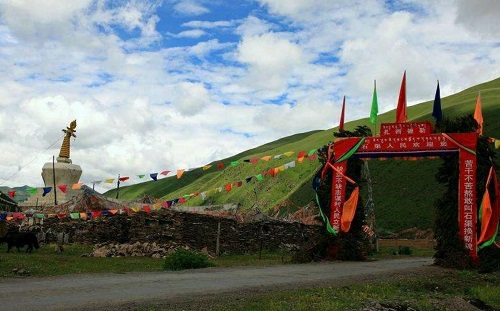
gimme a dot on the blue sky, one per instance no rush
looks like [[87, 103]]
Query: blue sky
[[176, 84]]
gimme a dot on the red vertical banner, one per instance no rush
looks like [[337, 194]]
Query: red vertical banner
[[467, 212], [338, 194]]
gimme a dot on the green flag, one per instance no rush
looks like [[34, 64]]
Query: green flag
[[374, 112]]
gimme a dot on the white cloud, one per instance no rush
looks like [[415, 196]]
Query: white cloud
[[193, 33], [190, 7]]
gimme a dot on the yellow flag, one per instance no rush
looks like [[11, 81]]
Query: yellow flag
[[266, 158], [288, 153], [77, 186], [206, 167], [179, 173], [497, 143], [109, 180]]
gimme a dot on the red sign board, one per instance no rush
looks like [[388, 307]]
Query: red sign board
[[406, 129]]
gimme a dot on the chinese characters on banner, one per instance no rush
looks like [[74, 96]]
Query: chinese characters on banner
[[467, 216], [406, 129], [338, 194]]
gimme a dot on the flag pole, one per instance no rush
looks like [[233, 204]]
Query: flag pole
[[375, 124]]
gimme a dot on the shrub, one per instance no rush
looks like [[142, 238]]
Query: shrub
[[184, 259], [405, 250]]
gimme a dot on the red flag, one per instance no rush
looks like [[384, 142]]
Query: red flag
[[220, 165], [12, 193], [62, 188], [490, 210], [401, 110], [164, 173], [123, 178], [341, 125], [478, 115]]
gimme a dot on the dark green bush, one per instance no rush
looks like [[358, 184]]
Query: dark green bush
[[405, 250], [184, 259]]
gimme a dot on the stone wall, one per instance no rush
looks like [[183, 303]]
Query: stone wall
[[198, 231]]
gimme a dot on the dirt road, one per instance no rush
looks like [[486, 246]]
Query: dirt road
[[120, 291]]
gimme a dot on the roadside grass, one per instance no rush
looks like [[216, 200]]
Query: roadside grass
[[45, 262], [440, 290]]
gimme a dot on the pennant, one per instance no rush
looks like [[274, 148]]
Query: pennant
[[62, 188], [123, 178], [32, 191], [290, 164], [374, 110], [105, 213], [141, 176], [147, 209], [113, 211], [228, 187], [311, 152], [278, 156], [313, 157], [300, 156], [266, 158], [12, 193], [109, 180], [203, 195], [77, 186], [280, 168], [259, 177], [239, 183], [234, 163], [165, 173], [46, 190], [248, 179], [489, 213], [437, 113], [206, 167], [273, 172], [341, 124], [478, 115], [254, 160], [96, 214], [3, 216], [349, 210], [74, 215], [179, 173], [220, 165], [166, 204], [182, 200], [401, 114], [83, 215], [61, 215], [497, 143], [154, 176], [288, 153]]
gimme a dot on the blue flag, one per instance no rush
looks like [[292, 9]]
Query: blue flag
[[436, 109], [154, 176], [46, 190]]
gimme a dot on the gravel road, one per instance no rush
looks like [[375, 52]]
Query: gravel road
[[117, 291]]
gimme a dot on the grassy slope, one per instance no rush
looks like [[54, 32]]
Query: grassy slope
[[413, 198]]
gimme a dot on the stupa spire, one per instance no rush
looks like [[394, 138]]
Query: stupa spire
[[65, 147]]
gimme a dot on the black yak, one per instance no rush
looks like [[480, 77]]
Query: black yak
[[19, 240]]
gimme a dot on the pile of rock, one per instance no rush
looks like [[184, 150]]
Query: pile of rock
[[136, 249]]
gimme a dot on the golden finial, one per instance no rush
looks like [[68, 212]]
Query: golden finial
[[70, 132]]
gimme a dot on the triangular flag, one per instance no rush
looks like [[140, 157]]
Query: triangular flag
[[254, 160], [147, 209], [32, 191], [349, 210], [12, 193], [154, 176], [179, 173], [77, 186], [374, 110], [74, 215], [123, 178], [234, 163], [273, 172], [182, 200], [141, 176], [62, 188], [401, 114], [259, 177], [46, 190], [266, 158], [164, 173], [497, 143], [300, 156], [239, 183], [341, 124], [206, 167], [83, 215], [489, 213], [278, 156], [478, 115], [113, 211], [311, 152], [437, 113], [288, 153], [313, 157], [220, 165], [109, 180], [228, 187], [248, 179], [290, 164]]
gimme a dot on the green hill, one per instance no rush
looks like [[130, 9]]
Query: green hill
[[404, 191]]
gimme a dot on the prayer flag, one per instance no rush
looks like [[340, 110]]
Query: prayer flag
[[374, 111], [154, 176], [489, 213], [349, 210], [62, 188], [239, 183], [182, 200], [311, 152], [266, 158], [300, 156], [179, 173], [46, 190], [259, 177], [220, 165], [206, 167], [74, 215], [234, 163], [123, 178], [141, 176], [341, 124], [32, 191], [288, 153], [401, 109], [478, 115], [109, 180], [147, 209], [77, 186], [12, 193], [497, 143], [228, 187], [437, 113], [164, 173], [248, 179], [254, 160]]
